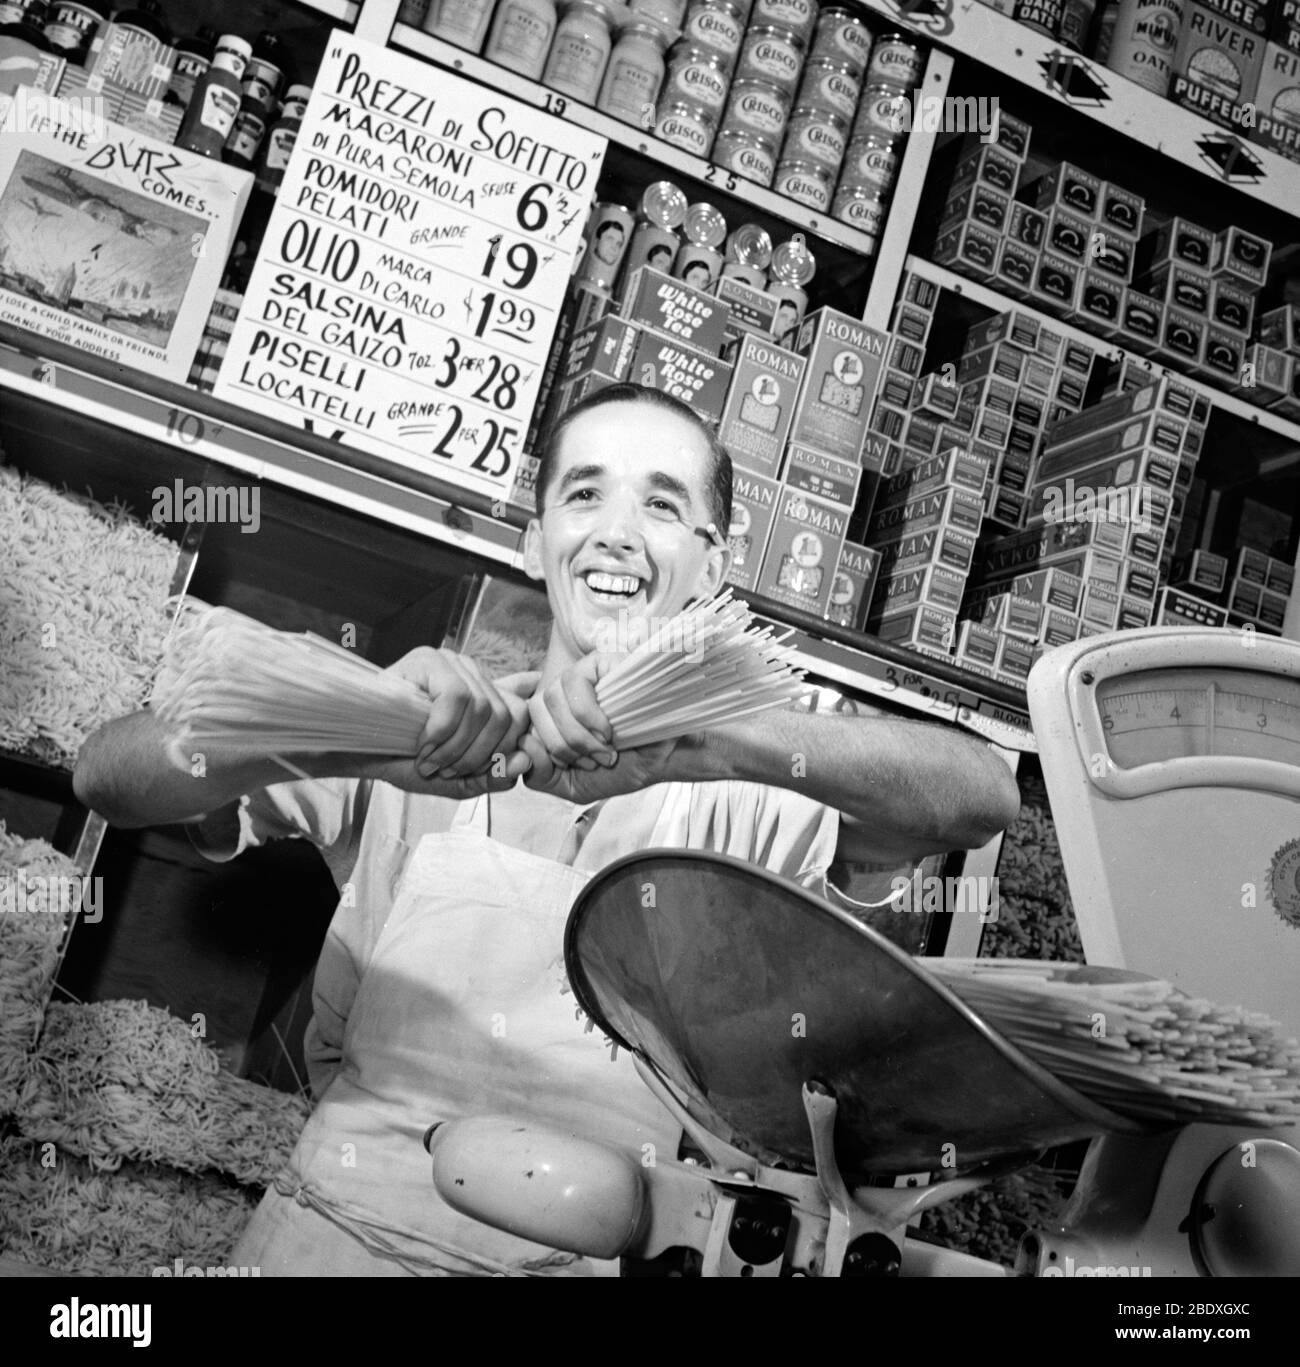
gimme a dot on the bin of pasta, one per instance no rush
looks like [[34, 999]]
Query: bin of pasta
[[118, 1080], [36, 883], [80, 634]]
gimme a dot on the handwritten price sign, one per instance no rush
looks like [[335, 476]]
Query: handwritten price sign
[[413, 270]]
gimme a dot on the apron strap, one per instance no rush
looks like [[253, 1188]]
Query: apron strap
[[473, 814]]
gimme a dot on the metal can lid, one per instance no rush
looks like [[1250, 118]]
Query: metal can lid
[[792, 262], [838, 14], [859, 192], [664, 205], [704, 226], [689, 110], [808, 170], [898, 36], [824, 63], [692, 55], [818, 113], [745, 84], [747, 137], [750, 245], [860, 141], [773, 33]]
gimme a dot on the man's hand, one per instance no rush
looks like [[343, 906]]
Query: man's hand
[[568, 721], [471, 719], [631, 771]]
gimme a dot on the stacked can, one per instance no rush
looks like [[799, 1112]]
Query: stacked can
[[699, 262], [818, 135], [698, 78], [767, 75], [880, 129], [748, 255]]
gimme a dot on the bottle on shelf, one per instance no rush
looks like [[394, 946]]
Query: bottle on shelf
[[193, 58], [635, 74], [264, 74], [521, 36], [580, 50], [215, 104], [462, 22], [71, 25], [247, 134], [147, 17], [27, 25], [281, 138]]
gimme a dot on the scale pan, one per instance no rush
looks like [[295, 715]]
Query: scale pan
[[738, 986]]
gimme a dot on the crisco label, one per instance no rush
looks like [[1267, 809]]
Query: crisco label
[[872, 162], [841, 37], [758, 107], [718, 29], [770, 55], [832, 86], [687, 129], [809, 184], [882, 111], [859, 210], [746, 155], [699, 77], [896, 60], [814, 138]]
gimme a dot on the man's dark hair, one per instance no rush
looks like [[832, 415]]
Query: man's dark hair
[[717, 482]]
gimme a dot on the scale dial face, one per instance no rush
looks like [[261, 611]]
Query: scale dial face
[[1154, 715]]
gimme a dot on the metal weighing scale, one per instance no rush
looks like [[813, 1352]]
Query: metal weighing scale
[[1172, 759]]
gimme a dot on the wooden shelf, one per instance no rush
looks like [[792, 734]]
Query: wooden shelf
[[1117, 105], [989, 298], [672, 158]]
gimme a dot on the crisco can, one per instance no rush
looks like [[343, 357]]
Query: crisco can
[[704, 226], [807, 182], [609, 230], [699, 266], [862, 209], [715, 26], [699, 75], [748, 155], [799, 17], [831, 86], [841, 36], [757, 107], [773, 55], [814, 135], [885, 111], [871, 161], [687, 125], [896, 59]]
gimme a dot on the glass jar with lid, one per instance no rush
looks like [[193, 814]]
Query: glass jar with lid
[[635, 74], [462, 22], [581, 49], [521, 36]]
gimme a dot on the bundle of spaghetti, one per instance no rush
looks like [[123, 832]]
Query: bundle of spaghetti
[[707, 666], [57, 1212], [228, 681], [1137, 1045], [31, 935], [83, 615], [122, 1079]]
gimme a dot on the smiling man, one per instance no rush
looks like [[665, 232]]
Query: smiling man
[[440, 991]]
